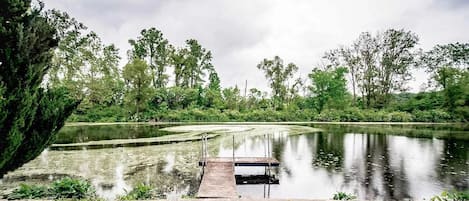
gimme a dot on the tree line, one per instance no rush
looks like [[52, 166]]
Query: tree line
[[53, 69], [162, 82]]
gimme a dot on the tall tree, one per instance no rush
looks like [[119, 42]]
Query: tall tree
[[197, 63], [328, 88], [455, 55], [100, 75], [455, 84], [152, 47], [449, 67], [177, 60], [138, 81], [295, 88], [349, 57], [231, 97], [83, 64], [213, 91], [452, 54], [397, 57], [30, 116], [278, 74], [68, 58], [378, 65]]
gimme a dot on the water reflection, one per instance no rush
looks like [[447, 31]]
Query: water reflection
[[169, 168], [375, 167], [364, 160], [77, 134]]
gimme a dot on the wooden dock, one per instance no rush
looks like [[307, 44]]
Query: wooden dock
[[244, 161], [219, 181]]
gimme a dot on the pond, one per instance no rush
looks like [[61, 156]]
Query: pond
[[374, 162]]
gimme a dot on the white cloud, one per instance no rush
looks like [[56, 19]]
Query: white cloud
[[241, 33]]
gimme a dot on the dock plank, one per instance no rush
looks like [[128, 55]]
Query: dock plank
[[218, 181]]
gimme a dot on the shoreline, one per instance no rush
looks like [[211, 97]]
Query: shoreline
[[260, 123]]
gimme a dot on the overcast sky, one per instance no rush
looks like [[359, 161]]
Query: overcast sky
[[240, 33]]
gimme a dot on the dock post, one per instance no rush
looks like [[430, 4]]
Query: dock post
[[233, 151]]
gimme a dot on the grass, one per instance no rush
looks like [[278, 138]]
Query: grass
[[66, 188], [343, 196], [139, 192], [26, 191], [452, 196]]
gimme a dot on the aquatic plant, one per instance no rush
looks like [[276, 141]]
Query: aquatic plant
[[452, 196], [344, 196], [72, 188], [139, 192], [26, 191]]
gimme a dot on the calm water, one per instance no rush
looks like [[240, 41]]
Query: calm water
[[373, 162], [73, 134], [372, 166]]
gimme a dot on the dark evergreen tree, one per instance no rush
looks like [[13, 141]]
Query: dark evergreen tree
[[30, 115]]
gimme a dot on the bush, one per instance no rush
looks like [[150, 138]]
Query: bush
[[72, 188], [99, 114], [452, 196], [377, 116], [26, 191], [343, 196], [328, 115], [431, 116], [352, 114], [399, 117], [140, 192], [291, 113]]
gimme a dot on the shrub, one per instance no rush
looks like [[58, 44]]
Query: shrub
[[452, 196], [352, 114], [399, 117], [343, 196], [437, 115], [26, 191], [139, 192], [328, 115], [72, 188]]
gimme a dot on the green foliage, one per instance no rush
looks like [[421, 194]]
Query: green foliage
[[278, 75], [452, 196], [98, 113], [453, 54], [66, 188], [72, 188], [291, 113], [409, 102], [139, 192], [449, 67], [83, 64], [152, 47], [437, 115], [68, 59], [329, 88], [84, 199], [399, 117], [378, 64], [191, 64], [455, 83], [137, 79], [26, 191], [231, 98], [197, 63], [30, 115], [343, 196]]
